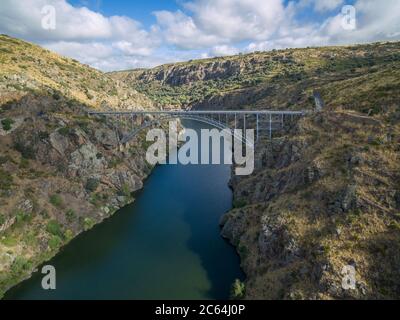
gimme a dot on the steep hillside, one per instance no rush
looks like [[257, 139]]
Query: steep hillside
[[325, 195], [60, 171], [27, 68]]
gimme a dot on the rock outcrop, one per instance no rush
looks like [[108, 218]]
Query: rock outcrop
[[61, 172]]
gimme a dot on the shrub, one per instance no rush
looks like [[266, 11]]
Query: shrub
[[4, 159], [22, 216], [70, 214], [54, 228], [24, 164], [9, 241], [56, 96], [43, 135], [238, 290], [115, 162], [6, 180], [68, 235], [88, 224], [239, 204], [30, 238], [6, 50], [20, 265], [92, 184], [56, 200], [55, 242], [26, 151], [7, 124], [125, 190], [65, 131]]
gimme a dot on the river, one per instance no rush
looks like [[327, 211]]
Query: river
[[166, 245]]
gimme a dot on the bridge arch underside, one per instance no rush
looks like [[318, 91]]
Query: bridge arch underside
[[156, 123]]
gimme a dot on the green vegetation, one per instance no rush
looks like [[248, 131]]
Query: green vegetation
[[20, 266], [237, 204], [7, 124], [6, 180], [22, 216], [125, 190], [238, 290], [92, 184], [115, 162], [27, 151], [24, 164], [9, 241], [43, 135], [5, 159], [64, 131], [68, 235], [88, 223], [54, 228], [55, 242], [70, 215], [56, 200]]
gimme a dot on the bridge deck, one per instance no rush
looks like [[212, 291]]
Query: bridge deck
[[204, 112]]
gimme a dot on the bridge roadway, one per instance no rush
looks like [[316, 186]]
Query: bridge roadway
[[202, 112]]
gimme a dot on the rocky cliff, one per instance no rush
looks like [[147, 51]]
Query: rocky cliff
[[61, 172], [325, 194]]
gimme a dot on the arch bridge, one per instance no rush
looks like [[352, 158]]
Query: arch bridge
[[264, 122]]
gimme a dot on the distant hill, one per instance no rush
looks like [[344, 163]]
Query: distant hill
[[361, 77]]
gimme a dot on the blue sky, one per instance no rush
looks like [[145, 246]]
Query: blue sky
[[115, 34], [139, 10]]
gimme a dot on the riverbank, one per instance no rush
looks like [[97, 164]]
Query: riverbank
[[165, 249]]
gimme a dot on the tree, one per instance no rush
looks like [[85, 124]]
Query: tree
[[238, 290]]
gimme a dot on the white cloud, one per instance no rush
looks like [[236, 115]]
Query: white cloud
[[224, 50], [238, 20], [217, 22], [25, 19], [180, 30], [376, 21], [327, 5], [80, 33], [321, 5]]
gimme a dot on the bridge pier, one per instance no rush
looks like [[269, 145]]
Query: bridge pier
[[257, 128]]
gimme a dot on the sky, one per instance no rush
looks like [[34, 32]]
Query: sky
[[117, 35]]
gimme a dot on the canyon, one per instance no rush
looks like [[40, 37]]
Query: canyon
[[325, 193]]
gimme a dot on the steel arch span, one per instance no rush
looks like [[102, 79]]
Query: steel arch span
[[206, 120], [260, 120]]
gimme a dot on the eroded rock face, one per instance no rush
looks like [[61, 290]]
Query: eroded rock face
[[107, 138], [181, 75], [68, 171], [123, 179], [85, 161], [274, 240], [310, 204]]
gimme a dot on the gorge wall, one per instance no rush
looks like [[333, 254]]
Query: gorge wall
[[61, 172], [326, 193]]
